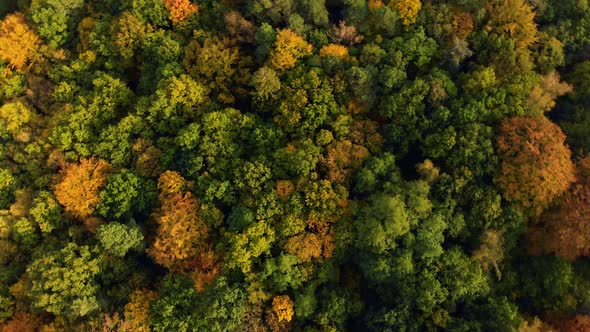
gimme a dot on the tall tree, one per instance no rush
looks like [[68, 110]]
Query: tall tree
[[79, 186], [62, 282], [514, 19], [536, 166], [289, 47], [18, 42]]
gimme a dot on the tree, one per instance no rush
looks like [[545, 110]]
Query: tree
[[118, 239], [124, 194], [56, 20], [218, 62], [490, 251], [334, 50], [238, 27], [181, 308], [289, 47], [266, 83], [283, 307], [80, 184], [181, 242], [180, 9], [514, 19], [575, 324], [62, 281], [346, 33], [16, 117], [46, 212], [153, 12], [22, 321], [18, 42], [408, 9], [565, 230], [137, 309], [536, 166], [542, 97]]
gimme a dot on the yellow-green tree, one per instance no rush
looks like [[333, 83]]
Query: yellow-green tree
[[514, 19]]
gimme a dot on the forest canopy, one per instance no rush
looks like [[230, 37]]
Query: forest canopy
[[294, 165]]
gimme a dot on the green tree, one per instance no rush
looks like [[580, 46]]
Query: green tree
[[56, 20], [62, 281], [118, 239]]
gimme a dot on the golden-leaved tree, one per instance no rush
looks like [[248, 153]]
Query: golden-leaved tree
[[289, 47], [536, 166], [514, 19], [180, 9], [18, 41], [79, 186], [407, 9]]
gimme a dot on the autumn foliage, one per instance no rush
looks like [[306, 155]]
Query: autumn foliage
[[289, 47], [18, 42], [579, 323], [334, 50], [180, 9], [80, 184], [408, 9], [565, 230], [536, 166], [137, 309], [514, 19], [181, 231], [283, 307], [181, 242]]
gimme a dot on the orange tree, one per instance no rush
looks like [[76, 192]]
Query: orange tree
[[536, 166], [80, 184]]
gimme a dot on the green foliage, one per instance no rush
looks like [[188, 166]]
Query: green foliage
[[56, 20], [125, 194], [46, 212], [181, 308], [62, 281], [118, 239], [305, 165]]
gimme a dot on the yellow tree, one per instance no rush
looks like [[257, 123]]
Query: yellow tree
[[80, 184], [335, 50], [138, 308], [289, 47], [514, 19], [407, 9], [180, 9], [282, 306], [18, 42]]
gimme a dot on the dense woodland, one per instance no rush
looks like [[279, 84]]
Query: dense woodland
[[304, 165]]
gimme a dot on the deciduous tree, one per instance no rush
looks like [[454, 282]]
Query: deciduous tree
[[289, 47], [79, 186], [408, 9], [514, 19], [62, 282], [283, 307], [536, 166], [180, 9], [18, 42]]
